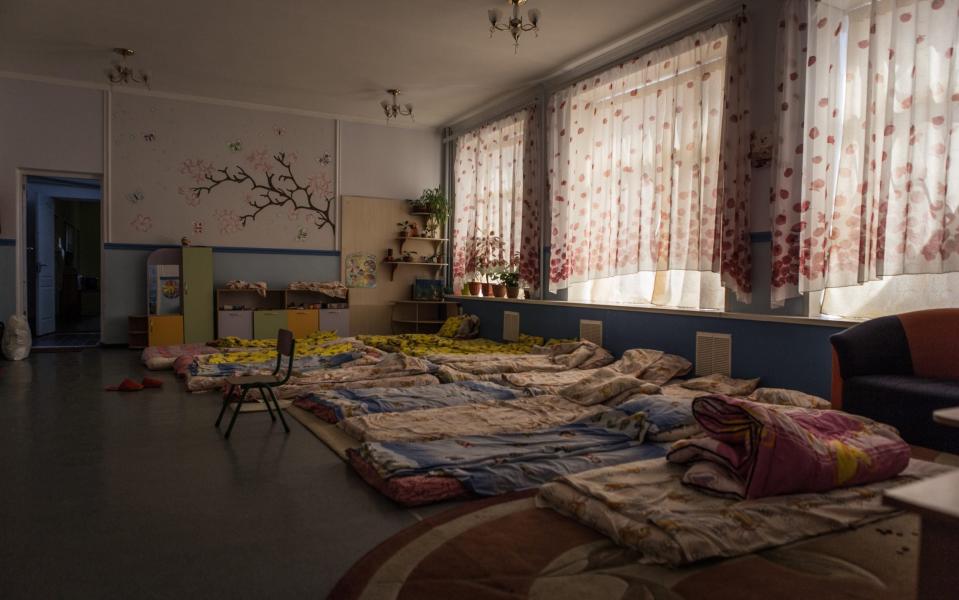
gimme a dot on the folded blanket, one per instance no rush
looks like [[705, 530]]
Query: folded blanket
[[645, 506], [606, 386], [754, 450]]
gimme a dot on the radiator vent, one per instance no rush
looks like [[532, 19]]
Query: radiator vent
[[713, 353], [591, 331], [510, 326]]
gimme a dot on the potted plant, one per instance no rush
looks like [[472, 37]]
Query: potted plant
[[409, 256], [405, 227], [435, 203], [416, 205], [510, 280]]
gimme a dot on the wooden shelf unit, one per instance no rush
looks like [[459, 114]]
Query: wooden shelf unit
[[252, 315], [425, 316], [394, 263]]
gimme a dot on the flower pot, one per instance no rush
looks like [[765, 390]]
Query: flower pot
[[475, 287], [527, 293], [488, 290], [512, 292], [499, 290]]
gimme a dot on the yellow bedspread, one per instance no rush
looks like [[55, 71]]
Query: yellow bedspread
[[423, 344], [316, 344]]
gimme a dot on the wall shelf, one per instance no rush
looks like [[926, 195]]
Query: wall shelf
[[435, 242], [395, 263]]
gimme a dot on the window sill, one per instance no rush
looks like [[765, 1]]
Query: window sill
[[689, 312]]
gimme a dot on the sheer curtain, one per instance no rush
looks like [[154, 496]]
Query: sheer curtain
[[877, 195], [648, 177], [496, 170]]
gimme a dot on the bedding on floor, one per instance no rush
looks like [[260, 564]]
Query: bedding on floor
[[645, 506], [556, 358], [651, 366], [392, 370], [422, 344], [336, 405], [499, 463], [520, 415], [754, 450], [158, 358]]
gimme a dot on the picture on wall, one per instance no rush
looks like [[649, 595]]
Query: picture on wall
[[361, 270], [259, 179]]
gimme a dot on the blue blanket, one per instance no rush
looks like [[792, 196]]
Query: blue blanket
[[496, 464], [352, 403]]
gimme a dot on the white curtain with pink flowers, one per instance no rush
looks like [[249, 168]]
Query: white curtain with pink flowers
[[496, 191], [648, 176], [868, 191]]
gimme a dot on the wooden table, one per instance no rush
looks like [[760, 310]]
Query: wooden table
[[936, 501], [947, 416]]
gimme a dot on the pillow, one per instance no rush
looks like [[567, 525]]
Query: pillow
[[721, 384], [605, 385], [665, 368], [669, 419], [451, 327], [786, 397]]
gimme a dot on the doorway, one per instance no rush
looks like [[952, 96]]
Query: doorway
[[62, 261]]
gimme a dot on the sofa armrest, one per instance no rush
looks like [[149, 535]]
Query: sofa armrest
[[875, 347]]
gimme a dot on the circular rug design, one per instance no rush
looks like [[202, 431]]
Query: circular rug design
[[507, 547]]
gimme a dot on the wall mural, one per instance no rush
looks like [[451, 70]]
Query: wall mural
[[221, 176]]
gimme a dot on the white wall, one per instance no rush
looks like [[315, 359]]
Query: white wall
[[45, 126], [383, 161]]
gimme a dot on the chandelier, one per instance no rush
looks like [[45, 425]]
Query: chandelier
[[393, 110], [121, 72], [515, 26]]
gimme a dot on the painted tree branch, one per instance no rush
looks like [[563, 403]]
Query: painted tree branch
[[276, 191]]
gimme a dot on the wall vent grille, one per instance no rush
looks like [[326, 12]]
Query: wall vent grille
[[510, 326], [591, 331], [713, 353]]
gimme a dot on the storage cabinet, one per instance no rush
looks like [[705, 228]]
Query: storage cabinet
[[267, 322], [335, 319], [197, 294], [302, 321], [236, 323], [165, 330]]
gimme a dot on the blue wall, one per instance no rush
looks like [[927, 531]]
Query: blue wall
[[788, 355], [124, 282]]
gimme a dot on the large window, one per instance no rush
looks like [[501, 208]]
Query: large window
[[648, 177], [496, 219], [866, 194]]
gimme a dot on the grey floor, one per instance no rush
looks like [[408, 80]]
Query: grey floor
[[136, 495]]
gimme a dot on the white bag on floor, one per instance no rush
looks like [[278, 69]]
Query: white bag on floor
[[16, 338]]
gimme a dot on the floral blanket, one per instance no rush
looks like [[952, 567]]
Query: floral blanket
[[391, 366], [513, 416], [158, 358], [752, 450], [422, 344], [342, 404], [646, 507]]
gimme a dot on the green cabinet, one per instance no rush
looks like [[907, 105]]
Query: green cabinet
[[197, 294], [267, 322]]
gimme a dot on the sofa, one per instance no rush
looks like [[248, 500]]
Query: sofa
[[898, 370]]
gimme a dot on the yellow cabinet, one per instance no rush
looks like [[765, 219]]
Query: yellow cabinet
[[302, 322], [165, 330]]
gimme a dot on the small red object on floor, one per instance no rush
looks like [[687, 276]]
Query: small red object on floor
[[127, 385], [149, 382]]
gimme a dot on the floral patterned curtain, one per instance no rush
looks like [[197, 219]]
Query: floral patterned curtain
[[648, 167], [497, 168], [878, 194]]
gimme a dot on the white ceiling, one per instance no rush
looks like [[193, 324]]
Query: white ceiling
[[332, 57]]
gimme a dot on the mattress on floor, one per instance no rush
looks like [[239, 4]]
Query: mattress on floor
[[159, 358], [412, 490]]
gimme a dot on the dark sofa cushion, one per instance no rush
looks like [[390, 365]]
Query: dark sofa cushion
[[875, 347], [906, 403]]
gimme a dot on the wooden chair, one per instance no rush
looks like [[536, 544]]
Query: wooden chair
[[264, 383]]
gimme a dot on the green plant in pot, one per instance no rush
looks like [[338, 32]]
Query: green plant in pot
[[434, 201], [510, 280]]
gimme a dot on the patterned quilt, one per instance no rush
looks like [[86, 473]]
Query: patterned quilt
[[422, 344], [646, 507]]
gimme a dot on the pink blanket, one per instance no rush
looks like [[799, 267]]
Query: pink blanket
[[753, 450]]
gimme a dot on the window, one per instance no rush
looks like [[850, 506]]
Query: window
[[866, 202], [496, 219], [648, 176]]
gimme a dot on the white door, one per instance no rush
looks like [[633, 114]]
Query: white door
[[46, 287]]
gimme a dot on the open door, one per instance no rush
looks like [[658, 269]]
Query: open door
[[45, 261]]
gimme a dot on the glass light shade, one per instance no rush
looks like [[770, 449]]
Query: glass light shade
[[494, 16], [533, 16]]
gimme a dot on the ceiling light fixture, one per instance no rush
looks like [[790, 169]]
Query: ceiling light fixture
[[393, 109], [121, 72], [515, 25]]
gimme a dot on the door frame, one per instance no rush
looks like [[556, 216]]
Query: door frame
[[21, 218]]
